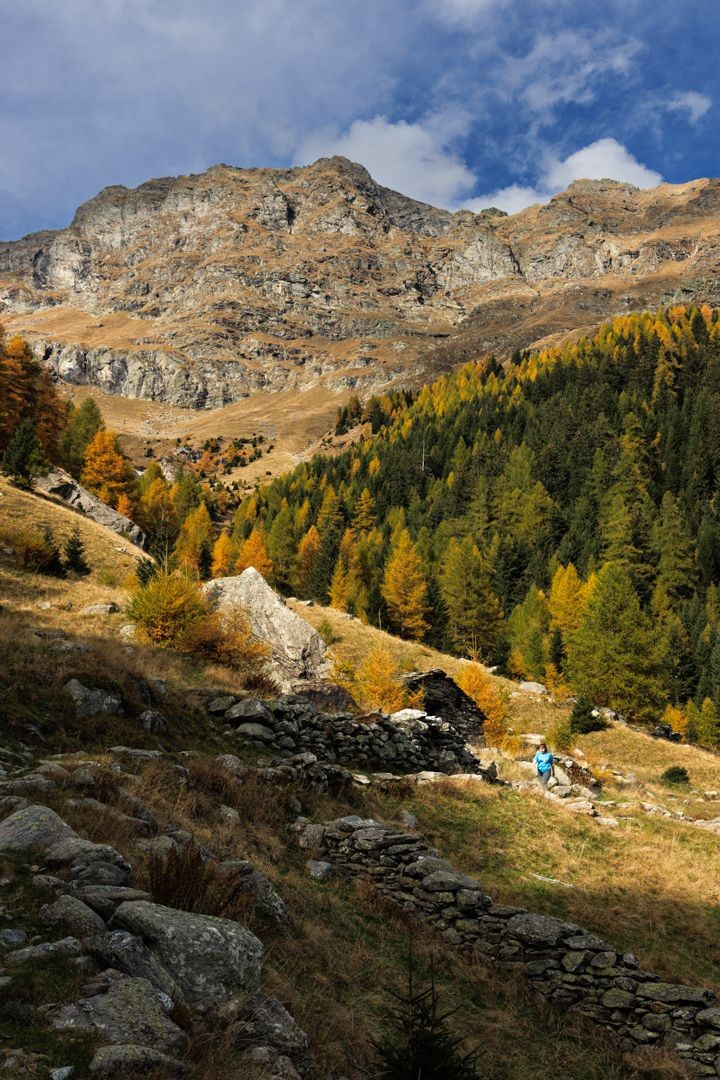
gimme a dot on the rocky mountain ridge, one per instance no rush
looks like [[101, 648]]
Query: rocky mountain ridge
[[199, 290]]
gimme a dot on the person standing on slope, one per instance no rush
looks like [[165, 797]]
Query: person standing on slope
[[544, 764]]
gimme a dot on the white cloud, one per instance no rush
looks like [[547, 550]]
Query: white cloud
[[691, 101], [416, 159], [564, 67], [601, 160]]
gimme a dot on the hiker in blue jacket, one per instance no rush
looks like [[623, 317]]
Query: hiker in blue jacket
[[544, 764]]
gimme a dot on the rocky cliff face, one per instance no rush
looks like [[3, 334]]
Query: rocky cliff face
[[198, 290]]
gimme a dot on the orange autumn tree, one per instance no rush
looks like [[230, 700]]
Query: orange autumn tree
[[253, 552], [107, 473], [28, 392]]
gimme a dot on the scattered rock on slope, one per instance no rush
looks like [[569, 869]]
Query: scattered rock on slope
[[298, 651], [62, 486]]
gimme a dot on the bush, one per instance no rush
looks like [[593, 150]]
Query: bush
[[560, 736], [676, 775], [494, 702], [36, 551], [376, 683], [326, 632], [168, 609], [171, 611], [584, 719], [226, 638]]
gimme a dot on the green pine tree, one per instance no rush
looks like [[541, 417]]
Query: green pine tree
[[81, 428], [74, 554], [473, 610], [24, 457], [53, 564], [677, 567], [614, 657], [420, 1044]]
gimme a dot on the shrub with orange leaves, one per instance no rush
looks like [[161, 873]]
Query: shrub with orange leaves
[[488, 696]]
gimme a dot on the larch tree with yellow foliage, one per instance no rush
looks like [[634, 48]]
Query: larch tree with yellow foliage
[[222, 556], [194, 542], [404, 589], [364, 516], [305, 562], [567, 598], [253, 552]]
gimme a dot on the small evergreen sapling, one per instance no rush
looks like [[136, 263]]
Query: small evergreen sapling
[[53, 564], [74, 552], [420, 1045], [585, 718]]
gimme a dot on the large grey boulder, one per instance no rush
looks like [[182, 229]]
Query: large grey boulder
[[34, 828], [61, 485], [211, 959], [71, 915], [125, 952], [130, 1011], [297, 651]]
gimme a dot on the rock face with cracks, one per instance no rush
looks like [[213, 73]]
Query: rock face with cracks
[[62, 486], [199, 290]]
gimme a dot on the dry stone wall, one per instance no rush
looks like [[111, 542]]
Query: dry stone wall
[[567, 965], [409, 741]]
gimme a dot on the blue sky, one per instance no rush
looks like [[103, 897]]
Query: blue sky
[[458, 102]]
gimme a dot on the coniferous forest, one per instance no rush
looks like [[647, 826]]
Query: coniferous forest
[[557, 515]]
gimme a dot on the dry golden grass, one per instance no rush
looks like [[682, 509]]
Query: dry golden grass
[[651, 886], [106, 552], [648, 758]]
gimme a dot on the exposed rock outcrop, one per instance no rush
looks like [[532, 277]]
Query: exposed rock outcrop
[[298, 651], [198, 290], [60, 485], [38, 829], [212, 960]]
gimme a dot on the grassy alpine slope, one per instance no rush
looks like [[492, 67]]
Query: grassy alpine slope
[[342, 945]]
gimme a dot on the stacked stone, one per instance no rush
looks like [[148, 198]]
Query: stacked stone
[[407, 742], [565, 963]]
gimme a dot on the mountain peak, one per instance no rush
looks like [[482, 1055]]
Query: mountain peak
[[198, 290]]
